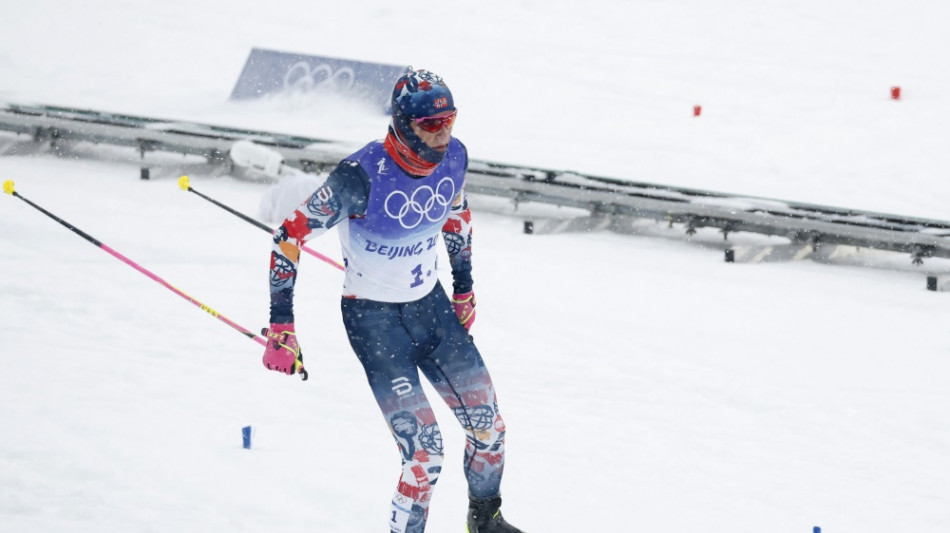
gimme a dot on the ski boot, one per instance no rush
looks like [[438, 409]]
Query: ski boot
[[484, 516]]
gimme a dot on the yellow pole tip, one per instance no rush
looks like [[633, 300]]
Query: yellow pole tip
[[183, 183], [8, 187]]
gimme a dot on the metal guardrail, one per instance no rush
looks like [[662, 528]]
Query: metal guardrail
[[802, 223], [63, 125]]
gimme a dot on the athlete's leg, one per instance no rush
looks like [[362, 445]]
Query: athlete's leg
[[387, 351], [456, 370]]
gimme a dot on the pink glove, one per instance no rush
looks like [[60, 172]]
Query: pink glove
[[464, 305], [282, 352]]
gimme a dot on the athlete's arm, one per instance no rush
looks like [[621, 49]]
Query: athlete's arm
[[344, 194], [457, 233]]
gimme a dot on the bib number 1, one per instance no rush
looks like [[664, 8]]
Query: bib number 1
[[418, 276]]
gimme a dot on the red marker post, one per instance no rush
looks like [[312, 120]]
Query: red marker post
[[895, 92], [697, 110]]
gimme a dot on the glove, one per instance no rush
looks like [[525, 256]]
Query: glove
[[464, 305], [282, 352]]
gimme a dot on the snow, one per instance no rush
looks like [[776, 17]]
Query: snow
[[646, 384]]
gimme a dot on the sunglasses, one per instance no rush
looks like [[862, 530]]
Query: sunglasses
[[436, 123]]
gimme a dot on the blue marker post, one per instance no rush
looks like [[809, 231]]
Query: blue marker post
[[246, 435], [816, 529]]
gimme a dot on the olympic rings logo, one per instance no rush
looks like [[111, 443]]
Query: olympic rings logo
[[425, 203], [301, 76]]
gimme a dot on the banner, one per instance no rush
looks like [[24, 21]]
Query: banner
[[270, 71]]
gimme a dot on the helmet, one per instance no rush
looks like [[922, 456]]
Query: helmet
[[419, 93]]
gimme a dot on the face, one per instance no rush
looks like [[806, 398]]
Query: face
[[439, 139]]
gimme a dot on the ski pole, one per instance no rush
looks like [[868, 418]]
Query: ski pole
[[186, 186], [9, 189]]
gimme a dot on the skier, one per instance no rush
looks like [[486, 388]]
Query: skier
[[390, 200]]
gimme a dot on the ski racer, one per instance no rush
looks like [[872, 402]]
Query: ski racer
[[390, 201]]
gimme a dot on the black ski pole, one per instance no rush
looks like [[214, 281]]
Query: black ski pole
[[185, 185], [9, 189]]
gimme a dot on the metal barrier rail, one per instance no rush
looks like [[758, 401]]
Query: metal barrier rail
[[801, 223]]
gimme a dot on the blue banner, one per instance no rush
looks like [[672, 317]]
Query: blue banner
[[270, 71]]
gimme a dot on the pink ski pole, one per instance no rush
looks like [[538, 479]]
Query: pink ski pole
[[186, 186], [9, 189]]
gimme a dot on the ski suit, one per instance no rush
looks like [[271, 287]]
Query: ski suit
[[398, 318]]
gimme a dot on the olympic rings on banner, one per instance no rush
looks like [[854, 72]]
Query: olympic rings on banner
[[306, 78]]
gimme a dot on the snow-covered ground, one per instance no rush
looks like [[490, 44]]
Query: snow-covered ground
[[646, 384]]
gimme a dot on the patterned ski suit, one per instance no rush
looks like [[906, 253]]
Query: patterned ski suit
[[398, 318]]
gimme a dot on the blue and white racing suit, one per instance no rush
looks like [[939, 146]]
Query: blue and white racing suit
[[398, 318]]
